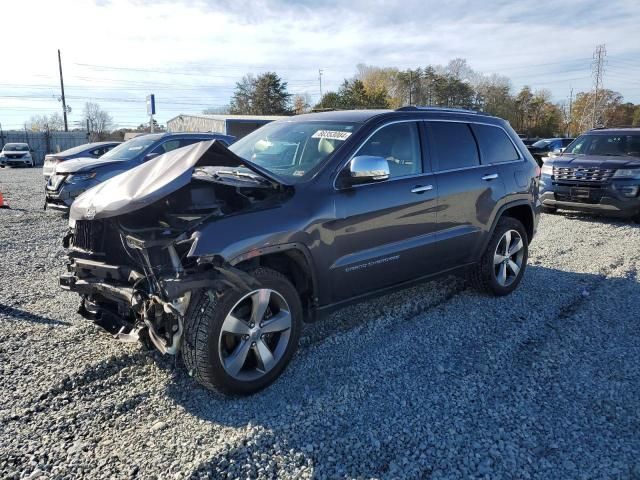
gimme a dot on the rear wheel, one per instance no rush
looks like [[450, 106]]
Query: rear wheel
[[240, 342], [504, 261]]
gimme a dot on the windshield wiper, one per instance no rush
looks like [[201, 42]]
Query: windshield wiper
[[243, 175]]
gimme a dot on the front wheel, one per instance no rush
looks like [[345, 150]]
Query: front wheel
[[239, 342], [504, 261]]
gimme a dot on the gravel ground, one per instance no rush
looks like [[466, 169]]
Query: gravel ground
[[431, 382]]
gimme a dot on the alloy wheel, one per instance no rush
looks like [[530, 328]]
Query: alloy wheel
[[255, 334], [508, 258]]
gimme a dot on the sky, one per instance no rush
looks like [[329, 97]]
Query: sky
[[191, 53]]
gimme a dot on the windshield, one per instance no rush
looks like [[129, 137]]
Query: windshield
[[292, 150], [131, 148], [607, 145], [16, 147], [541, 143]]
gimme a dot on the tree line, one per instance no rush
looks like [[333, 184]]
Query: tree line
[[454, 85], [530, 112]]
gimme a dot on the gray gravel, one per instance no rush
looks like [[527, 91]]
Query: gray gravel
[[432, 382]]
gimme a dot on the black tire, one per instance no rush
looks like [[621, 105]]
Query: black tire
[[203, 324], [549, 210], [483, 276]]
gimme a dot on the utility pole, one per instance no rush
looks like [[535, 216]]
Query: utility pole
[[320, 80], [570, 112], [597, 71], [64, 103]]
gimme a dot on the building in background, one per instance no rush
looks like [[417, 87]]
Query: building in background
[[235, 125]]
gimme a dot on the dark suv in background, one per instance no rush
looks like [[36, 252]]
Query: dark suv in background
[[72, 177], [226, 251], [542, 148], [598, 173]]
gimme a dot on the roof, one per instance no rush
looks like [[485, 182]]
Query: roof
[[223, 117], [361, 116]]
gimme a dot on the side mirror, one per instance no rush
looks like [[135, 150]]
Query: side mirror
[[558, 150], [366, 169], [151, 155]]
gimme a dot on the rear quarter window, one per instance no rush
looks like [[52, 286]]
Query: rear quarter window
[[495, 145], [453, 146]]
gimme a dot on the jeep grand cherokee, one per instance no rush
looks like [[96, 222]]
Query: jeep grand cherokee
[[221, 253]]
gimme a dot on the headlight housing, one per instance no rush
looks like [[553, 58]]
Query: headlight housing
[[80, 177], [633, 173], [547, 169]]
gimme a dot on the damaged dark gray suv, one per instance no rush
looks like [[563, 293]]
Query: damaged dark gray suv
[[222, 253]]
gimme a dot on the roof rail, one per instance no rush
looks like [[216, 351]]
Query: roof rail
[[416, 108], [602, 127]]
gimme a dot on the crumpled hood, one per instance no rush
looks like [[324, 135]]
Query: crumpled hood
[[595, 161], [147, 183], [85, 164]]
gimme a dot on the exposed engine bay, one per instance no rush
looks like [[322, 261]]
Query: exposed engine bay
[[131, 265]]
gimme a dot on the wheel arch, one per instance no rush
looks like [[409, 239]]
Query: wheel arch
[[520, 210], [294, 261]]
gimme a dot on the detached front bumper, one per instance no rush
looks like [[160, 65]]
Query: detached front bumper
[[618, 198]]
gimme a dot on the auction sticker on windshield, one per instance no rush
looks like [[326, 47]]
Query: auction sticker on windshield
[[331, 134]]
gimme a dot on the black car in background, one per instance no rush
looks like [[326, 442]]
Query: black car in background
[[221, 253], [598, 173], [73, 177], [542, 148], [87, 150]]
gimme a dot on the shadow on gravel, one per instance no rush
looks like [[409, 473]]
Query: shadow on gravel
[[592, 217], [517, 360], [30, 317]]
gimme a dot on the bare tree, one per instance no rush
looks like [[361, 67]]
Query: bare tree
[[301, 103], [56, 122], [42, 123], [98, 120]]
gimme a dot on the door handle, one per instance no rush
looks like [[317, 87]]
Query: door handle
[[421, 189], [491, 176]]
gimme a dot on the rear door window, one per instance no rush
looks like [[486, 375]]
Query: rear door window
[[453, 146], [495, 145]]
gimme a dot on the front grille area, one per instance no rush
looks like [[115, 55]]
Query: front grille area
[[582, 174], [594, 198], [15, 155], [89, 235], [100, 239]]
